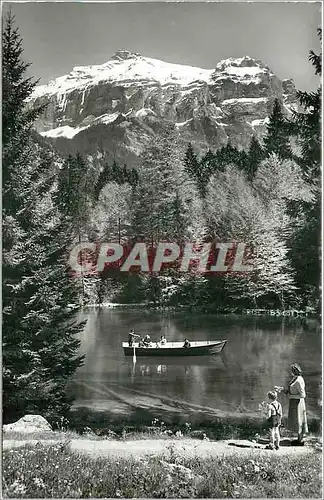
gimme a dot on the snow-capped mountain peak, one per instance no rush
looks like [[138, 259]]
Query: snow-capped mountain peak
[[123, 54], [240, 62], [123, 103], [241, 67], [125, 67]]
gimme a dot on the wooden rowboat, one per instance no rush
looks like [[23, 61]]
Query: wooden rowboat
[[199, 348]]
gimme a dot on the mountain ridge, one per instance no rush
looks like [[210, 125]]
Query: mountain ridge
[[130, 97]]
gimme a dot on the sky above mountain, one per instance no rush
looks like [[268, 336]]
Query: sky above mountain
[[59, 36]]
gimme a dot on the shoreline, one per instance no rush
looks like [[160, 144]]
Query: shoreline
[[264, 312], [151, 423]]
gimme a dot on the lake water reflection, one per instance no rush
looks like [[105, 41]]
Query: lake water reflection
[[257, 357]]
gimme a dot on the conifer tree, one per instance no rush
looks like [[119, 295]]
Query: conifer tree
[[197, 170], [116, 172], [179, 217], [133, 177], [75, 192], [209, 164], [160, 176], [74, 198], [230, 155], [40, 346], [305, 243], [191, 162], [306, 124], [255, 156], [160, 203], [104, 177], [277, 139], [17, 119]]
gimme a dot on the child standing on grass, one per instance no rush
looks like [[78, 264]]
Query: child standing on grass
[[274, 419]]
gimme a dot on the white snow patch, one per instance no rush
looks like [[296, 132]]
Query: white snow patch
[[236, 61], [241, 67], [106, 118], [184, 92], [65, 131], [69, 132], [141, 113], [246, 71], [258, 123], [182, 124], [244, 100]]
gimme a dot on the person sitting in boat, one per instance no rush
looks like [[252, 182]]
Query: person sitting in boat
[[131, 336], [147, 341], [186, 343], [163, 340], [141, 342]]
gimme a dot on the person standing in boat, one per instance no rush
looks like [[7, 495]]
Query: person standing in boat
[[131, 337], [297, 418], [186, 343]]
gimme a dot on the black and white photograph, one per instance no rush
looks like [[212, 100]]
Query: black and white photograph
[[161, 249]]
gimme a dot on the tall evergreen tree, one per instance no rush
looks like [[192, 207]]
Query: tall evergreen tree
[[160, 176], [133, 177], [209, 164], [180, 218], [255, 157], [230, 155], [277, 139], [305, 243], [75, 192], [17, 119], [40, 347], [306, 124], [191, 162], [197, 170], [114, 173], [104, 177], [74, 198]]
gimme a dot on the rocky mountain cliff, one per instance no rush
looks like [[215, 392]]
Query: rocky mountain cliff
[[118, 107]]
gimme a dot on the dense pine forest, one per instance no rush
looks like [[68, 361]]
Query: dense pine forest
[[268, 196]]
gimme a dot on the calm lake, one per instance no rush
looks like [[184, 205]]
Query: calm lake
[[257, 357]]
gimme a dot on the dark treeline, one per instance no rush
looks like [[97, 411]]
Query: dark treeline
[[268, 196]]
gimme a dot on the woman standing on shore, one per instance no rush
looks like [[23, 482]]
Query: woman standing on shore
[[297, 418]]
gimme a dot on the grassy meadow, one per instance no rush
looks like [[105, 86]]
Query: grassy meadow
[[38, 471]]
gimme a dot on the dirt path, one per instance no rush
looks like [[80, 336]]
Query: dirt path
[[180, 447]]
